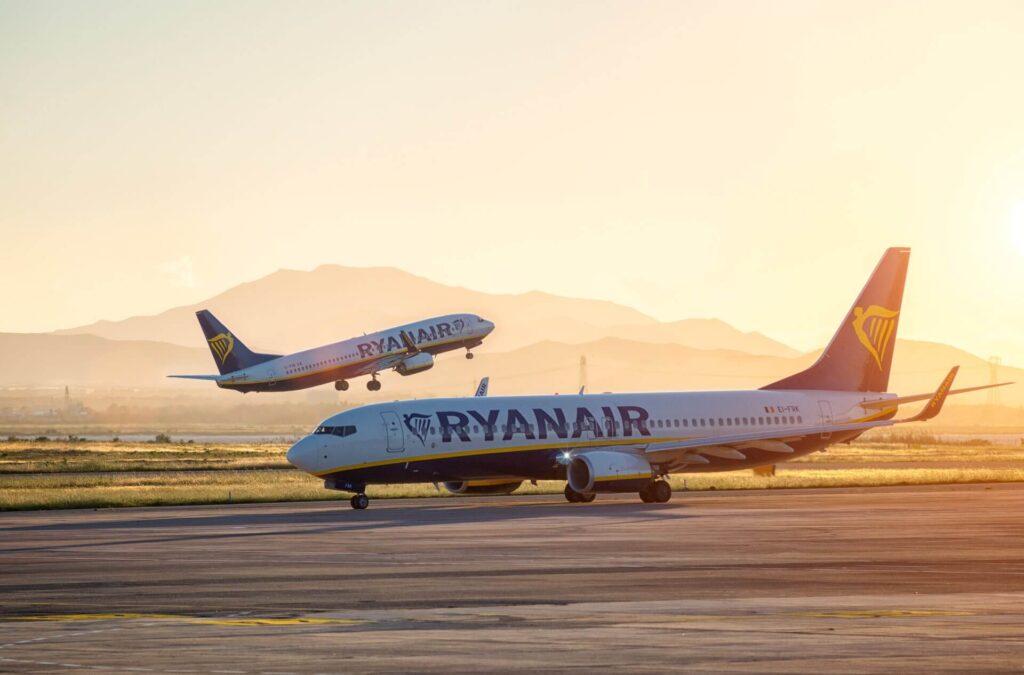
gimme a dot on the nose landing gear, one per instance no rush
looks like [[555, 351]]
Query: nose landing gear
[[469, 354], [359, 501]]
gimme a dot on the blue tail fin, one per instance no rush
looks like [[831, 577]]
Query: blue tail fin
[[860, 355], [228, 351]]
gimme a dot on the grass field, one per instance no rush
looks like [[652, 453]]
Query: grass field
[[74, 474]]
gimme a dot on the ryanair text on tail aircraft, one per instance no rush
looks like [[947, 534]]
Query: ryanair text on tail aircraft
[[629, 442], [408, 349]]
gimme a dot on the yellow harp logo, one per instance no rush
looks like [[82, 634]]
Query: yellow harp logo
[[874, 327], [222, 345]]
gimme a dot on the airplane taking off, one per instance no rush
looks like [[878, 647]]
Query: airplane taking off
[[629, 442], [409, 349]]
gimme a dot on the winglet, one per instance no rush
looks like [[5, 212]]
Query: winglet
[[934, 405], [410, 344], [481, 390]]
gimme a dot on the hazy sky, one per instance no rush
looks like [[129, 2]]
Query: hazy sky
[[743, 160]]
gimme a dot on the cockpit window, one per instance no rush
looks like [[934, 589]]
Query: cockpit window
[[346, 430]]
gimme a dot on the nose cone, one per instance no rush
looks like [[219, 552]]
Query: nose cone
[[488, 326], [303, 455]]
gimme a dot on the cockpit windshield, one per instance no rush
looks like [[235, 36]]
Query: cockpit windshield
[[346, 430]]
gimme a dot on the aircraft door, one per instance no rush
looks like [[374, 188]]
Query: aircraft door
[[393, 428], [825, 416]]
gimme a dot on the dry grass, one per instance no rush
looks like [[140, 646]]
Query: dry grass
[[78, 456], [92, 475]]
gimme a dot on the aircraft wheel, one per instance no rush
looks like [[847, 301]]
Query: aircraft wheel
[[661, 491], [359, 501], [373, 385], [587, 497], [341, 385], [469, 355], [646, 495], [571, 495]]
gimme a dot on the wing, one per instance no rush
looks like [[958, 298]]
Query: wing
[[723, 450], [213, 378], [886, 402]]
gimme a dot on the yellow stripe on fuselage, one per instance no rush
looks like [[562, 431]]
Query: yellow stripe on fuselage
[[494, 451], [344, 366], [871, 417]]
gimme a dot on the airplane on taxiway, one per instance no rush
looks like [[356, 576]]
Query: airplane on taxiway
[[629, 442], [409, 349]]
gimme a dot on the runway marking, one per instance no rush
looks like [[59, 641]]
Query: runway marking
[[884, 613], [247, 621], [88, 617], [276, 622]]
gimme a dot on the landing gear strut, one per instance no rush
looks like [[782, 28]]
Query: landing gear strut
[[659, 491], [359, 501], [469, 354], [341, 385], [373, 385], [578, 497]]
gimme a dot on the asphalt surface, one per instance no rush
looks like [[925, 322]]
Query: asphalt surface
[[842, 580]]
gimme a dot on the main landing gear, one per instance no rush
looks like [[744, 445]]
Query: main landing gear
[[657, 492], [578, 497], [374, 384], [341, 385], [359, 501]]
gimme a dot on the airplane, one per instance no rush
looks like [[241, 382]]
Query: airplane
[[408, 349], [606, 443]]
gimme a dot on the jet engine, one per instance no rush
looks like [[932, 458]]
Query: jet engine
[[481, 487], [609, 471], [416, 363]]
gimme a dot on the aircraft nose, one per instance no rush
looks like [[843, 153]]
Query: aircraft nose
[[303, 454], [488, 326]]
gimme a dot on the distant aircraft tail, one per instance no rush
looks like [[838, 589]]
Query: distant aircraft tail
[[228, 351], [859, 356]]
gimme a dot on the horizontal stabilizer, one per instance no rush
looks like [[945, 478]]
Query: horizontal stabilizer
[[197, 377]]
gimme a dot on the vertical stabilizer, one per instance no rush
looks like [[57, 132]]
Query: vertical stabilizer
[[228, 351], [859, 356]]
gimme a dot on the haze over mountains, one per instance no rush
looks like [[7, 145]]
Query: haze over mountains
[[291, 310], [536, 347]]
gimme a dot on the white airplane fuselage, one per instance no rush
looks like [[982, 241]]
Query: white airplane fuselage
[[532, 437], [363, 355]]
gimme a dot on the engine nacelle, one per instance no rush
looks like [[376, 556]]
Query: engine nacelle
[[482, 487], [416, 363], [609, 471]]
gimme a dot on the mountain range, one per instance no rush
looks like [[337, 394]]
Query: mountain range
[[536, 347], [291, 310]]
